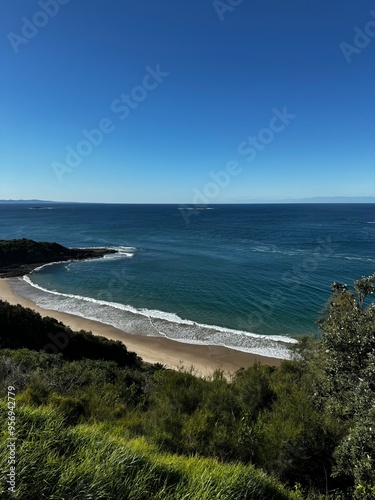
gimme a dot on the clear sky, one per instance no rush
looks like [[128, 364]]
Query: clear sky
[[193, 101]]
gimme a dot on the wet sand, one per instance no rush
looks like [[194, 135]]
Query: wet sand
[[204, 359]]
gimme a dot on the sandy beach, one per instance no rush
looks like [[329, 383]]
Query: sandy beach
[[203, 358]]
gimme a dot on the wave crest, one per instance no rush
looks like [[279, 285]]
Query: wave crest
[[154, 322]]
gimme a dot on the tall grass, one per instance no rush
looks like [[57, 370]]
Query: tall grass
[[57, 461]]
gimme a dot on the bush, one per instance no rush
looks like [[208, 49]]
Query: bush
[[23, 328], [85, 462]]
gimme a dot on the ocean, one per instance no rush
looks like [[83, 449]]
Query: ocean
[[251, 277]]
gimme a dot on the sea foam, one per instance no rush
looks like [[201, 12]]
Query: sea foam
[[150, 322]]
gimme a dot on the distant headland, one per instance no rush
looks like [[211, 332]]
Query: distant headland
[[20, 257]]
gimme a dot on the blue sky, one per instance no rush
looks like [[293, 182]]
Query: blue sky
[[186, 98]]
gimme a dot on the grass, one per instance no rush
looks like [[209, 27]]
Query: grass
[[57, 461]]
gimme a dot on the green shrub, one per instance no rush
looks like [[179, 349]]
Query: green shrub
[[84, 462]]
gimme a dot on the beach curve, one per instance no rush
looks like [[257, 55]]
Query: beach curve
[[203, 359]]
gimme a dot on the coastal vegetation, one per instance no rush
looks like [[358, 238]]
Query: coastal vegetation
[[93, 421], [23, 327], [17, 257]]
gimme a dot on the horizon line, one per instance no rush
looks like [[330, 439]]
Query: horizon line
[[313, 200]]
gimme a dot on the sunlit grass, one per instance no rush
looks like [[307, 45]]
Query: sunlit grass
[[57, 461]]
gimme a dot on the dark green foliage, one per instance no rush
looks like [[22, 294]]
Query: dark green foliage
[[364, 287], [348, 341], [349, 384], [254, 389], [21, 327], [260, 416], [308, 422], [70, 408], [24, 251], [57, 460], [18, 257]]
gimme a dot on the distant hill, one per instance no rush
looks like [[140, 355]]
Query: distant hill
[[312, 200], [316, 200], [19, 257], [27, 201], [335, 199]]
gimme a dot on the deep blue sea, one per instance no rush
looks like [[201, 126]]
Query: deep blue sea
[[252, 277]]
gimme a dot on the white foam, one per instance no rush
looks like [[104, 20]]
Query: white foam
[[171, 317], [196, 208], [161, 323], [122, 252], [51, 264], [361, 259]]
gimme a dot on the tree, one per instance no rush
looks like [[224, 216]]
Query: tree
[[365, 286], [349, 344]]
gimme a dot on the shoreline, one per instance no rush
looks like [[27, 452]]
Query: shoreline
[[173, 354]]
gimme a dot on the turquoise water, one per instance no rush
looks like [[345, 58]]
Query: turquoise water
[[210, 276]]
